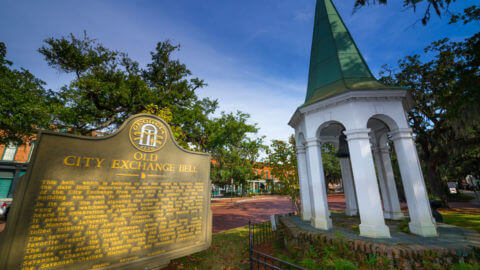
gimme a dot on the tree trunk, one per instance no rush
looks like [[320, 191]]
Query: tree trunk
[[295, 204], [433, 176], [435, 182]]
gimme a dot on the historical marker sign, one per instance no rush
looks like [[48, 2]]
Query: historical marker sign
[[132, 200]]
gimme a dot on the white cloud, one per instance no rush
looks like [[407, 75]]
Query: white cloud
[[236, 82], [266, 105], [303, 15], [270, 100]]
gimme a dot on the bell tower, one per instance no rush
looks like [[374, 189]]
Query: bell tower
[[346, 106]]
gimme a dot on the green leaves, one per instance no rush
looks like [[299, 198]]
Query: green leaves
[[445, 116], [25, 105], [172, 87], [331, 163], [469, 14], [282, 159], [76, 55], [107, 89], [167, 116], [110, 87], [229, 139]]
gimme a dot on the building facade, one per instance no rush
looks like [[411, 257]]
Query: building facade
[[13, 164]]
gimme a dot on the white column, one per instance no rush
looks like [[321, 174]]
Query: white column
[[303, 181], [368, 195], [348, 187], [421, 220], [318, 194], [377, 157], [396, 211]]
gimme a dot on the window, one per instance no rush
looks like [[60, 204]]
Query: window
[[5, 183], [9, 153]]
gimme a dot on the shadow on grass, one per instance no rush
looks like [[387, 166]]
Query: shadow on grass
[[229, 250], [471, 221]]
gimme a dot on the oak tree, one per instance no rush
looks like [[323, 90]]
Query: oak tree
[[25, 104], [445, 116]]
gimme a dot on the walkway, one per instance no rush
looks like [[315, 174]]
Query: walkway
[[228, 214]]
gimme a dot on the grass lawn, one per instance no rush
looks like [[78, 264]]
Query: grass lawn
[[457, 218], [229, 250]]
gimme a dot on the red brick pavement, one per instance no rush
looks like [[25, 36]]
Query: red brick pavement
[[229, 214], [336, 202]]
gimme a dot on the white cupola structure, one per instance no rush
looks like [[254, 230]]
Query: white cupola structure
[[345, 105]]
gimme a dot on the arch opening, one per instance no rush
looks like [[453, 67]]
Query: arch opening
[[337, 169], [382, 120], [386, 165]]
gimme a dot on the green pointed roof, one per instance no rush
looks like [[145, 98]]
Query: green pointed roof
[[336, 65]]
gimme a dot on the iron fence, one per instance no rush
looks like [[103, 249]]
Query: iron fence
[[261, 233]]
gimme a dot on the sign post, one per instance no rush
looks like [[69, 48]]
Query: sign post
[[131, 200], [231, 190], [452, 186]]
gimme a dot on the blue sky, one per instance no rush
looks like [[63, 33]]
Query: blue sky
[[254, 54]]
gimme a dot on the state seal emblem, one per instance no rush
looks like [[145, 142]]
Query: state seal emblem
[[148, 134]]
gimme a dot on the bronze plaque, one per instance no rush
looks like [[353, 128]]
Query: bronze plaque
[[131, 200]]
